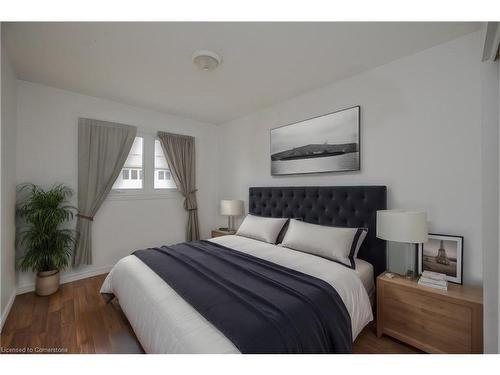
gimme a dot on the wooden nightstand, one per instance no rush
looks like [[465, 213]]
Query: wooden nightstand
[[432, 320], [219, 232]]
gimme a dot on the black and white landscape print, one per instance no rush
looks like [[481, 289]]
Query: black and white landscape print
[[442, 254], [328, 143]]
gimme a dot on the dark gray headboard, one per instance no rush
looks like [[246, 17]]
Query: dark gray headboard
[[343, 206]]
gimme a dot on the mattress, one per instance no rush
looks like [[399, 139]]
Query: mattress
[[365, 273], [164, 323]]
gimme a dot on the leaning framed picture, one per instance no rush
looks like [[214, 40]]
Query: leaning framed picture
[[327, 143], [444, 254]]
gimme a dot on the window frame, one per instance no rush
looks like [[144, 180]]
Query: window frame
[[148, 173], [125, 176]]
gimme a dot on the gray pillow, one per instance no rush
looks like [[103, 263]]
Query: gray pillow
[[335, 243], [261, 228]]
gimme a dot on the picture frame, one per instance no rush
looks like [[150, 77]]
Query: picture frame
[[322, 144], [442, 253]]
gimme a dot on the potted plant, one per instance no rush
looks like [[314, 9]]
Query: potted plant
[[46, 244]]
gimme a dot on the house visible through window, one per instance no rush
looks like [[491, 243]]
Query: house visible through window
[[162, 177], [132, 176], [145, 171]]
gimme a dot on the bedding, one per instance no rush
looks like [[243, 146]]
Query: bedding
[[165, 323], [335, 243], [365, 273], [265, 229], [283, 311]]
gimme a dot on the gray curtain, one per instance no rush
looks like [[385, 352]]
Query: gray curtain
[[491, 47], [103, 148], [180, 153]]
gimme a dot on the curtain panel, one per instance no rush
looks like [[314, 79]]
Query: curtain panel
[[180, 153], [491, 47], [103, 148]]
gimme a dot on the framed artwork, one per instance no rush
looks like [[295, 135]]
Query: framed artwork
[[328, 143], [442, 253]]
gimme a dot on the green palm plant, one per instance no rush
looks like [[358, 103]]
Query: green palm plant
[[47, 246]]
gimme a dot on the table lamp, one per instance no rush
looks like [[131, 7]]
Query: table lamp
[[408, 227], [230, 208]]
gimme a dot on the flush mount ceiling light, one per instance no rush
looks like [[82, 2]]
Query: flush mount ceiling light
[[206, 60]]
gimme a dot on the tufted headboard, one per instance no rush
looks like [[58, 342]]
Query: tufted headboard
[[342, 206]]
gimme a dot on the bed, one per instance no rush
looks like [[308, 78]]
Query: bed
[[165, 323]]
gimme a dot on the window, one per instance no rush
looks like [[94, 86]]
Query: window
[[145, 173], [131, 176], [163, 178]]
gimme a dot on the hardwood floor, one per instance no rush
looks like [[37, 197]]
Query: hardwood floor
[[367, 342], [77, 320]]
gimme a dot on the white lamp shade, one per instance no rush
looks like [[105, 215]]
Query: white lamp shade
[[402, 226], [231, 207]]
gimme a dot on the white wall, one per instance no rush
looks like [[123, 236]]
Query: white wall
[[8, 183], [490, 212], [420, 136], [47, 153]]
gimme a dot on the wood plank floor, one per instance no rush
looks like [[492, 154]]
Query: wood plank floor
[[77, 320]]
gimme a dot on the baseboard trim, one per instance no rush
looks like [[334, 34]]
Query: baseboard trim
[[68, 278], [6, 312]]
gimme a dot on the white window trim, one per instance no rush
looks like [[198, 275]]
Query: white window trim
[[148, 191]]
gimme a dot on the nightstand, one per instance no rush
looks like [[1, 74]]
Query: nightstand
[[432, 320], [219, 232]]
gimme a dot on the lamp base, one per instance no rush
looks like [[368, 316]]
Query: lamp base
[[405, 263], [410, 275]]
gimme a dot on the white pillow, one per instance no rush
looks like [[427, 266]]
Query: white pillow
[[261, 228], [335, 243]]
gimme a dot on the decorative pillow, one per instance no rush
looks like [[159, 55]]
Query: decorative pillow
[[261, 228], [335, 243]]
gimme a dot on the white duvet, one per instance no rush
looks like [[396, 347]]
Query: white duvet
[[165, 323]]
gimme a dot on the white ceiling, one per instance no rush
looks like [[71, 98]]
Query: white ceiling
[[149, 64]]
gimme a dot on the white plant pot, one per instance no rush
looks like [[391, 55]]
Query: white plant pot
[[47, 282]]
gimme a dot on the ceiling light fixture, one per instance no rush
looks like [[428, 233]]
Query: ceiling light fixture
[[206, 60]]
